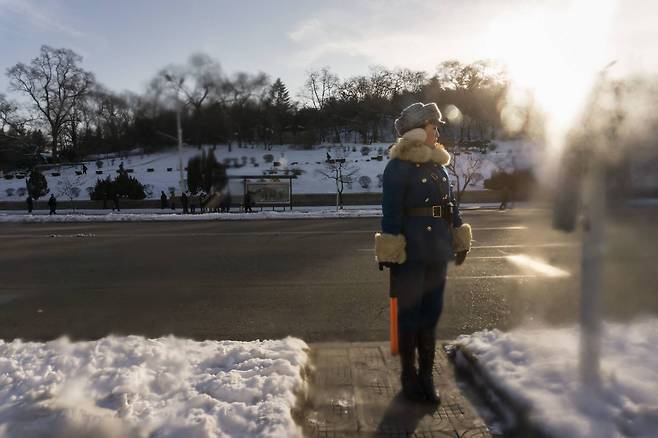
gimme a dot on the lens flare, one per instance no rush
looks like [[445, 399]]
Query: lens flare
[[453, 114], [555, 53]]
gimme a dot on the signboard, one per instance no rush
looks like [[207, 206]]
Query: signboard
[[272, 192]]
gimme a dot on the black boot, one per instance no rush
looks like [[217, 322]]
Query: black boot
[[426, 352], [411, 389]]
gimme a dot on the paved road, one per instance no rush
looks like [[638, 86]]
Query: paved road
[[315, 279]]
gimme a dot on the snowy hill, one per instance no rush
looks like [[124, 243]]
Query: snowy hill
[[159, 171]]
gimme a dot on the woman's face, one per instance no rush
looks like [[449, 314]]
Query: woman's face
[[432, 133]]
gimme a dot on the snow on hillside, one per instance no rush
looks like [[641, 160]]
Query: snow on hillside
[[137, 387], [539, 369], [251, 159]]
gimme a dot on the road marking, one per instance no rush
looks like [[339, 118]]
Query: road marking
[[4, 299], [534, 264], [73, 235], [485, 277], [537, 245], [519, 227], [170, 234], [228, 233]]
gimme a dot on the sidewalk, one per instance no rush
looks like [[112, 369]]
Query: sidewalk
[[354, 392]]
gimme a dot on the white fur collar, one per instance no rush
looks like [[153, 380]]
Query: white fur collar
[[411, 147]]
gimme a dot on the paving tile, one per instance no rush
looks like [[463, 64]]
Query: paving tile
[[354, 392]]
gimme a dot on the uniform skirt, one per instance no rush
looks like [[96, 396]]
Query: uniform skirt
[[419, 289]]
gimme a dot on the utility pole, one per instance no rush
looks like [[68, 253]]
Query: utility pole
[[591, 189]]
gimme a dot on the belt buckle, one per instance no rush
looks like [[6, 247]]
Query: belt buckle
[[436, 211]]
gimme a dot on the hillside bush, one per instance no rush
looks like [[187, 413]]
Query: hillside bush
[[37, 185]]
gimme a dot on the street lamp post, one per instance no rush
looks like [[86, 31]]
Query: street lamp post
[[179, 129], [180, 149]]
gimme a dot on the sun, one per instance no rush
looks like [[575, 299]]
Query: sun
[[553, 51]]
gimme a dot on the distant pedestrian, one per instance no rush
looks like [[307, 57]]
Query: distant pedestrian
[[84, 169], [30, 204], [163, 200], [52, 203], [172, 200], [225, 205], [185, 201], [115, 202], [504, 199], [247, 202], [202, 202]]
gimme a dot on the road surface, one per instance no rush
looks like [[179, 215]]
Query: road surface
[[314, 279]]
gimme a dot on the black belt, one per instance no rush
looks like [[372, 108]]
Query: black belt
[[436, 211]]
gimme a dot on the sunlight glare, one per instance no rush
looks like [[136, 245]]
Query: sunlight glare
[[554, 52]]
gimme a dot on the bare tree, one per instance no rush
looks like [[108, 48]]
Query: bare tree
[[69, 188], [465, 168], [9, 118], [320, 87], [55, 83], [241, 91], [341, 171], [195, 83]]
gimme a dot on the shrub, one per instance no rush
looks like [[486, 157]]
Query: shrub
[[365, 181], [365, 150], [205, 173], [99, 164], [268, 158], [21, 191], [10, 192], [519, 182], [123, 185]]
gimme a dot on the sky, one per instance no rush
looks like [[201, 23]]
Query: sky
[[124, 43]]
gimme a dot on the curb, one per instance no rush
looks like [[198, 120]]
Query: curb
[[513, 415]]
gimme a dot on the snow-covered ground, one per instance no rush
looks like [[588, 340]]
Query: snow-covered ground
[[137, 387], [103, 216], [538, 368], [154, 215], [511, 154]]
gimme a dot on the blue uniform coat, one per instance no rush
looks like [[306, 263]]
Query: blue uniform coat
[[419, 246]]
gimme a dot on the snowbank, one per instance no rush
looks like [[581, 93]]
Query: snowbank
[[137, 387], [156, 217], [538, 369]]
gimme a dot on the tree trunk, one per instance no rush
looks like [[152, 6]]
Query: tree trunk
[[74, 137], [54, 133]]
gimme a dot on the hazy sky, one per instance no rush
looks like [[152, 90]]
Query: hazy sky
[[126, 42]]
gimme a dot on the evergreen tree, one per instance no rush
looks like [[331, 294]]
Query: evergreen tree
[[279, 97], [37, 186], [279, 107], [123, 185]]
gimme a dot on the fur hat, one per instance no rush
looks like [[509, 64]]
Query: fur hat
[[417, 115]]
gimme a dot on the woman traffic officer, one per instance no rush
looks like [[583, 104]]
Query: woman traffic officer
[[422, 230]]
